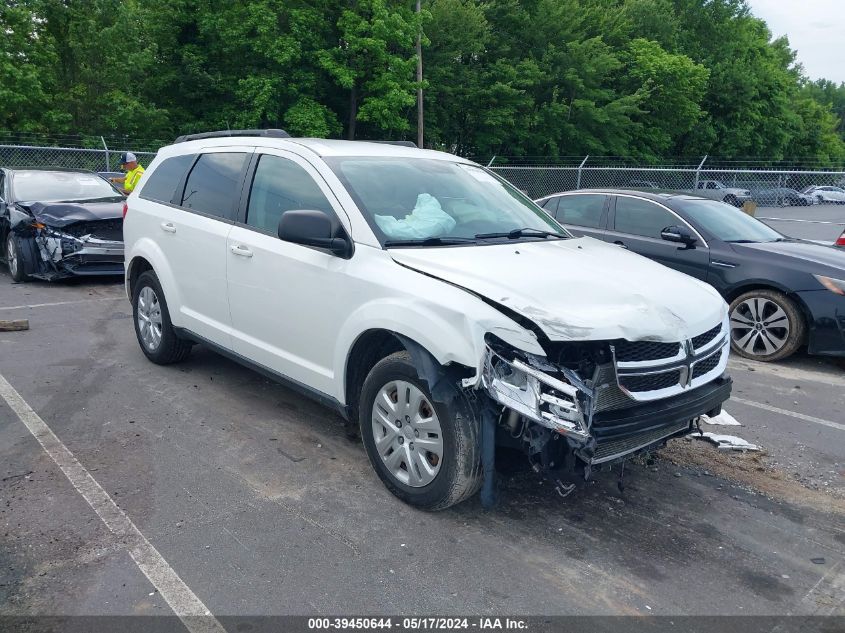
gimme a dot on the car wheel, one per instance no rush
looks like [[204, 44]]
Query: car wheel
[[153, 327], [426, 452], [14, 258], [765, 325], [732, 201]]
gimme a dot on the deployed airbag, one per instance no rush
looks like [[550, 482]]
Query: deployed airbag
[[428, 219]]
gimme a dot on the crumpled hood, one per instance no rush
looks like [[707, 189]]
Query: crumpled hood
[[59, 214], [578, 289]]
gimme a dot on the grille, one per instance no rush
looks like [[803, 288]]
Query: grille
[[628, 351], [706, 365], [605, 451], [703, 339], [104, 229], [651, 382]]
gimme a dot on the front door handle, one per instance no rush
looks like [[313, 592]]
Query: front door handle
[[168, 227], [620, 243], [239, 249]]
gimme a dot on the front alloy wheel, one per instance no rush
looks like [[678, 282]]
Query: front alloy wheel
[[765, 325], [13, 258]]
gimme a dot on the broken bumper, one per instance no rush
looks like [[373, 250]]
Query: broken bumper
[[566, 405], [64, 255]]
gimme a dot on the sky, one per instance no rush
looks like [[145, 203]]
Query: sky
[[816, 29]]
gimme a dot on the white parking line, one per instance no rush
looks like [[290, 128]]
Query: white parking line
[[792, 414], [789, 373], [60, 303], [185, 604]]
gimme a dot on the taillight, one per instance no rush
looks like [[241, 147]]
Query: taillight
[[841, 240], [125, 209]]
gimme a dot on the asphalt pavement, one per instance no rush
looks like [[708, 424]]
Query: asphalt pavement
[[819, 222], [258, 501]]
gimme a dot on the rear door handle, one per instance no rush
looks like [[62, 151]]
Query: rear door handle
[[168, 227], [620, 243], [239, 249]]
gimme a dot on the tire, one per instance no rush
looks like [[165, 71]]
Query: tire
[[766, 325], [732, 201], [158, 340], [14, 259], [456, 471]]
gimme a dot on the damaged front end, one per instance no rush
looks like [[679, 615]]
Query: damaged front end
[[597, 402], [78, 248]]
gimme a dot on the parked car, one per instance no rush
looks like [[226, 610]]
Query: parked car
[[422, 297], [717, 190], [826, 194], [57, 223], [782, 196], [783, 292]]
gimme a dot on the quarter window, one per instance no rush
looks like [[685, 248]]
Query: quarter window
[[280, 185], [581, 210], [161, 184], [212, 186], [641, 217]]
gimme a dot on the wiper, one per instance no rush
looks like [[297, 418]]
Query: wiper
[[517, 233], [742, 241], [431, 241]]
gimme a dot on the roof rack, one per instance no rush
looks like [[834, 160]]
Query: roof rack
[[402, 143], [271, 133]]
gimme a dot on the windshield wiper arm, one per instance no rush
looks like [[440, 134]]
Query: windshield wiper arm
[[431, 241], [517, 233]]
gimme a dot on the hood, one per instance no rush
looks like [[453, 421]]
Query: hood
[[59, 214], [578, 289], [803, 255]]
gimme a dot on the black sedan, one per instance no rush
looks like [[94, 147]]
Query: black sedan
[[58, 223], [783, 293]]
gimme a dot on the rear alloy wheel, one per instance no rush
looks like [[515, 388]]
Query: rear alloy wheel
[[426, 452], [14, 259], [765, 325], [155, 332]]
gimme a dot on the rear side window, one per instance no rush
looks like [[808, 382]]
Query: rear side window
[[212, 186], [280, 185], [581, 210], [161, 185]]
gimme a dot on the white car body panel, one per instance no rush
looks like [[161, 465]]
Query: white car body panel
[[579, 289]]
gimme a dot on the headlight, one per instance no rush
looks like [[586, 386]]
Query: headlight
[[836, 286], [519, 381]]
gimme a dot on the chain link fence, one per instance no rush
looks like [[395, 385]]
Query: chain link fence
[[767, 187], [100, 160]]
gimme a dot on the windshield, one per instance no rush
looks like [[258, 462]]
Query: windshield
[[60, 185], [728, 223], [436, 202]]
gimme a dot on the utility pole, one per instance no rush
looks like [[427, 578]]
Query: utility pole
[[419, 82]]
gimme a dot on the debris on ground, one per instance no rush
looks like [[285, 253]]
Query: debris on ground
[[723, 419], [726, 442], [15, 325]]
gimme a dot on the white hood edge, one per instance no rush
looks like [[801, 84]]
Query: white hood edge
[[578, 289]]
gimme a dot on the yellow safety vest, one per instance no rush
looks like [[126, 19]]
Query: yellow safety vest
[[132, 178]]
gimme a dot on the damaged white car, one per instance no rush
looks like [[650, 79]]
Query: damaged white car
[[423, 298]]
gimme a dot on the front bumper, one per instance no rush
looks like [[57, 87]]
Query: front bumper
[[605, 418], [62, 255], [826, 321]]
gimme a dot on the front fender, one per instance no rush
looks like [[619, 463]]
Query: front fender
[[451, 331]]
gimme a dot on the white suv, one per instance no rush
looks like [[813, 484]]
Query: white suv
[[425, 299]]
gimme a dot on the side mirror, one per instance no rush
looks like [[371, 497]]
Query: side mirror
[[313, 228], [678, 234]]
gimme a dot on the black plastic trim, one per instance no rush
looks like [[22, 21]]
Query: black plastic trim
[[619, 423]]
